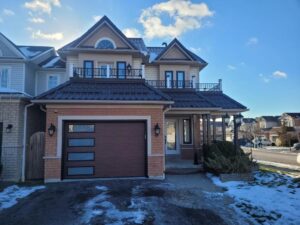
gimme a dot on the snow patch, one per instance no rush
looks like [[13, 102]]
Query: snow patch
[[270, 199], [28, 53], [51, 62], [10, 195]]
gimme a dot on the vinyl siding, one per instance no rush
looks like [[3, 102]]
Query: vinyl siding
[[6, 51], [16, 76], [151, 73], [41, 79]]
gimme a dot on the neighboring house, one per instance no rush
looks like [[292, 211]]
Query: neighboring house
[[290, 119], [127, 107], [265, 122], [19, 82], [247, 128]]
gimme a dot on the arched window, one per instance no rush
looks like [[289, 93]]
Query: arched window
[[105, 43]]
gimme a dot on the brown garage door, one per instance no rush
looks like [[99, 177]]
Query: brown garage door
[[104, 149]]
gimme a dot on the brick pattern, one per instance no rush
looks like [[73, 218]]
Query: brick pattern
[[155, 163]]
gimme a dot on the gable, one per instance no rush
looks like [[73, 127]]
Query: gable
[[7, 49], [174, 53], [105, 31]]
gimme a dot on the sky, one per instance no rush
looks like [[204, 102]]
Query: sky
[[253, 46]]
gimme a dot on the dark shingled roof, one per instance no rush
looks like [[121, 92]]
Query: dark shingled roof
[[271, 118], [249, 120], [53, 62], [222, 100], [139, 44], [33, 51], [188, 98], [104, 89], [294, 115]]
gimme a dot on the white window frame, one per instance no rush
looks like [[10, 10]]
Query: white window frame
[[105, 38], [9, 75], [47, 80]]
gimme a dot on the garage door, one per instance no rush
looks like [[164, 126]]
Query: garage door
[[104, 149]]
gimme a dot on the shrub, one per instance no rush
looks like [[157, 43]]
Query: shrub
[[221, 157]]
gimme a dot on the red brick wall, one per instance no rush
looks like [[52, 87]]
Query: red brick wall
[[155, 157]]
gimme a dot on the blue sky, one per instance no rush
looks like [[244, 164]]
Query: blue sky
[[254, 46]]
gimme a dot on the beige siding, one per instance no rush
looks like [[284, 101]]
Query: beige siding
[[42, 79], [175, 53], [104, 58], [16, 76], [105, 31], [71, 62], [136, 63], [151, 72], [194, 71]]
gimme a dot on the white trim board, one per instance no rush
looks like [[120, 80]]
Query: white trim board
[[60, 120]]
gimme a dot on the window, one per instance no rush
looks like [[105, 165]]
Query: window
[[88, 170], [4, 73], [187, 139], [81, 142], [105, 69], [121, 70], [81, 128], [180, 76], [88, 67], [52, 81], [80, 156], [169, 79], [105, 43], [193, 81]]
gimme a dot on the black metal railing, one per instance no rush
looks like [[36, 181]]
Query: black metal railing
[[107, 73], [185, 84]]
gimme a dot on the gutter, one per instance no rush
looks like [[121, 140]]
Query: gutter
[[103, 102], [24, 141]]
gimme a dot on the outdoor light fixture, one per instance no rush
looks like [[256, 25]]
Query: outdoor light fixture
[[238, 119], [226, 119], [9, 128], [51, 130], [157, 129], [128, 67]]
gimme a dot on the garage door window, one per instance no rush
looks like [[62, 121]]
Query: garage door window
[[88, 170], [81, 128], [81, 156], [81, 142]]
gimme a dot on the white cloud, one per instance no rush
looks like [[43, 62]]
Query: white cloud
[[279, 74], [97, 18], [36, 20], [231, 67], [252, 41], [44, 6], [195, 50], [8, 12], [132, 32], [185, 15], [47, 36], [264, 78]]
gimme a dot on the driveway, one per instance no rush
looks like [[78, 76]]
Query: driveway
[[188, 199]]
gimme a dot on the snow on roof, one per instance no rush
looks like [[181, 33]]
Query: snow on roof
[[52, 62], [4, 90], [33, 51]]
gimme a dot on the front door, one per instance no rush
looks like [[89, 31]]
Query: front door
[[171, 137]]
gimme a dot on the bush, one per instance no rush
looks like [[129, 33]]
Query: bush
[[221, 157]]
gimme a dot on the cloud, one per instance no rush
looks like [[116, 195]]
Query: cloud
[[8, 12], [97, 18], [36, 20], [184, 14], [47, 36], [132, 32], [264, 78], [279, 74], [231, 67], [196, 50], [252, 41], [43, 6]]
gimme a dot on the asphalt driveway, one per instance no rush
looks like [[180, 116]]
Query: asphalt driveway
[[188, 199]]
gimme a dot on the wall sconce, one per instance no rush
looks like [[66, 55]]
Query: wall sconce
[[51, 130], [157, 130], [9, 128]]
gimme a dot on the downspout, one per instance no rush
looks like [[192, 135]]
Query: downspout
[[24, 141]]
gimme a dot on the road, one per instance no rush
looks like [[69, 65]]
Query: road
[[272, 156]]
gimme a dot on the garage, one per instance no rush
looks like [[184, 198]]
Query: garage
[[103, 149]]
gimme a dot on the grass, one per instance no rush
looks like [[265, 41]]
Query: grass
[[272, 169]]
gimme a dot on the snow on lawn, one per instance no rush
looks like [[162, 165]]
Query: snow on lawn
[[270, 199], [10, 195], [101, 206]]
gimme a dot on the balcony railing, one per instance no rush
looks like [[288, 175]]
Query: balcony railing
[[185, 84], [107, 73]]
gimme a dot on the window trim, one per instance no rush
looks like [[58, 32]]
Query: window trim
[[8, 75], [105, 38], [58, 80], [183, 81], [190, 131], [84, 68], [172, 78]]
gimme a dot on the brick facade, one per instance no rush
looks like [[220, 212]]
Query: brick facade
[[53, 161]]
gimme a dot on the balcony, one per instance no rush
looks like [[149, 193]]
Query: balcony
[[174, 84], [107, 73]]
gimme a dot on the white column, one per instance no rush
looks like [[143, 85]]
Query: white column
[[143, 71], [71, 68], [107, 71]]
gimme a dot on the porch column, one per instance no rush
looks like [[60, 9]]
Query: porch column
[[223, 129], [214, 128], [196, 137], [208, 129], [204, 129]]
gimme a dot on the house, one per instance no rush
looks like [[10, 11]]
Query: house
[[290, 119], [127, 107], [265, 122], [22, 76]]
